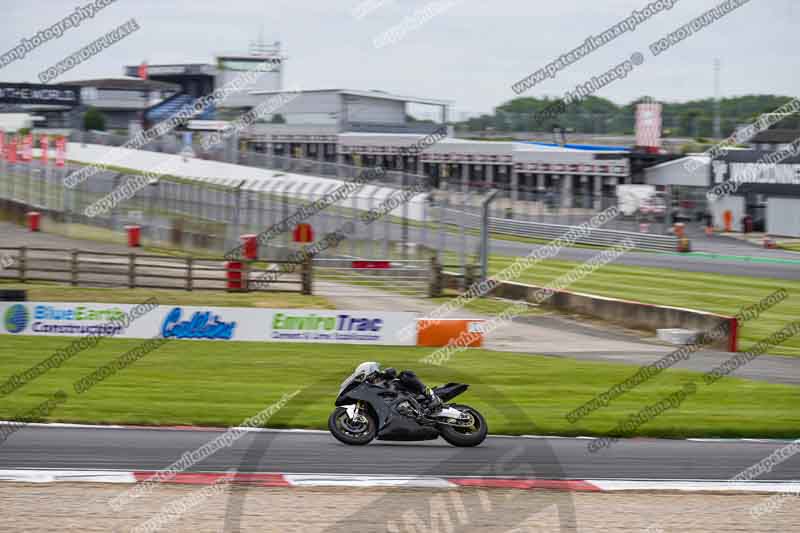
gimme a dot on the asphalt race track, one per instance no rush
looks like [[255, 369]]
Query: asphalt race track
[[758, 265], [317, 453]]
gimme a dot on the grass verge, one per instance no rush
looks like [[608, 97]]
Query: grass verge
[[486, 306], [60, 293], [791, 246], [206, 383], [716, 293]]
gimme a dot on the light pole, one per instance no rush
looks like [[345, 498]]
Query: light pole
[[485, 233]]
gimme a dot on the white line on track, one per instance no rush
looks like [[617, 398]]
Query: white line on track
[[323, 432]]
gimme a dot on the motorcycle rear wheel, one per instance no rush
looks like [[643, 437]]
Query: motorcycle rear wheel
[[465, 437], [349, 432]]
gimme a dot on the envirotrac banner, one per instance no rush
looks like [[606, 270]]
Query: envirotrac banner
[[204, 323]]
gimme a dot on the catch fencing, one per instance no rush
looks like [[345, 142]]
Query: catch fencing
[[209, 216], [594, 236], [229, 152], [343, 277]]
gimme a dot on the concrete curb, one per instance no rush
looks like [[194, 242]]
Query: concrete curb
[[281, 480]]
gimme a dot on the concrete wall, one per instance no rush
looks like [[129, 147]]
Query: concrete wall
[[635, 315], [259, 129], [783, 217], [674, 173], [310, 108], [265, 81], [331, 107], [119, 120], [375, 110]]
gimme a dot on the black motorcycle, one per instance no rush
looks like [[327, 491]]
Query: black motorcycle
[[370, 407]]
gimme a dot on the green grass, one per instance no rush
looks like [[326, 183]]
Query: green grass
[[791, 246], [60, 293], [207, 383], [100, 234], [486, 306], [717, 293]]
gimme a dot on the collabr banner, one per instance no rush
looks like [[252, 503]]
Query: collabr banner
[[206, 323]]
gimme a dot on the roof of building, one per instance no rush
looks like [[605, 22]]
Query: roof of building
[[702, 159], [516, 146], [586, 147], [461, 141], [523, 146], [776, 136], [124, 84], [368, 94]]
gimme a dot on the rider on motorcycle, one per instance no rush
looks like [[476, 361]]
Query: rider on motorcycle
[[412, 383]]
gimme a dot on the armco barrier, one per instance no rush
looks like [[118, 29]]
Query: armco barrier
[[634, 315], [596, 236]]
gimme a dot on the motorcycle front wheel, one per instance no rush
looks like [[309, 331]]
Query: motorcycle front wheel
[[466, 436], [353, 432]]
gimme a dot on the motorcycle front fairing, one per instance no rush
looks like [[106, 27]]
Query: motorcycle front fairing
[[391, 425], [371, 394]]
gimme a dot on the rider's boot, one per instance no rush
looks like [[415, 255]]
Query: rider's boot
[[433, 402]]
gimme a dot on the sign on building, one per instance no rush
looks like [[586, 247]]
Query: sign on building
[[31, 93], [648, 125]]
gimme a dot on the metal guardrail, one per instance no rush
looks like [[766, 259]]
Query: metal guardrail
[[595, 237]]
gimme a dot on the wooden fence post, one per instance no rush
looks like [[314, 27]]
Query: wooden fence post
[[23, 263], [306, 276], [469, 276], [131, 271], [435, 288], [189, 273], [73, 280]]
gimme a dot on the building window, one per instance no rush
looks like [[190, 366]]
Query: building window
[[89, 94]]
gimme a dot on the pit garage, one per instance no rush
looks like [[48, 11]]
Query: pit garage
[[770, 194]]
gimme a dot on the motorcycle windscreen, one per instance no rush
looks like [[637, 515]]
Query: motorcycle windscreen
[[361, 371], [450, 391]]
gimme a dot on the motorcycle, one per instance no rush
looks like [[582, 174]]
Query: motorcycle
[[370, 407]]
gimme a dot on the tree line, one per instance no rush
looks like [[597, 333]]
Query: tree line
[[595, 115]]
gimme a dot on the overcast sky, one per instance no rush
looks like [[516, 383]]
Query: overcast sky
[[470, 53]]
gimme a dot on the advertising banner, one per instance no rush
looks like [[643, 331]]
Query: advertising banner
[[38, 94], [648, 125], [205, 323]]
